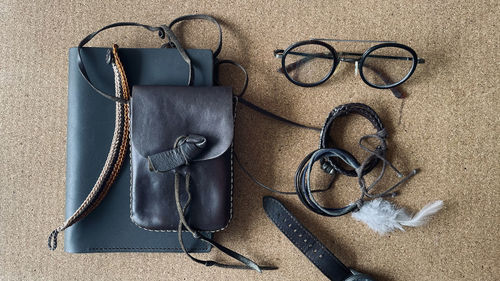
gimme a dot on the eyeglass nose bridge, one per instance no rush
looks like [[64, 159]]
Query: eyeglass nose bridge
[[343, 58]]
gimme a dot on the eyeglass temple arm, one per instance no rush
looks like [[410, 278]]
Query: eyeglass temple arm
[[419, 60], [297, 64]]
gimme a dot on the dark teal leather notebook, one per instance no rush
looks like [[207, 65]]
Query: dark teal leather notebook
[[91, 121]]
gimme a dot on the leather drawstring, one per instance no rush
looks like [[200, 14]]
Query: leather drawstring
[[181, 210]]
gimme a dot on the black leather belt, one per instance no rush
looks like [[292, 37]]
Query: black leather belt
[[309, 245]]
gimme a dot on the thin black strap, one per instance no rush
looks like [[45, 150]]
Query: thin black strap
[[274, 116], [239, 97], [163, 31], [89, 37], [202, 17], [245, 83], [173, 39], [274, 190]]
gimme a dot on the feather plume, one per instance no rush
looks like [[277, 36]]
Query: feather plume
[[383, 217]]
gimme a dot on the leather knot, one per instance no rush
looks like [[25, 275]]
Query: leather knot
[[186, 149], [382, 133]]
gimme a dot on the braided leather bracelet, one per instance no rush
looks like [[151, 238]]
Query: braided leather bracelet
[[331, 164]]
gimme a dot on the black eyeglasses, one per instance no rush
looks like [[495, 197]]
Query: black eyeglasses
[[383, 66]]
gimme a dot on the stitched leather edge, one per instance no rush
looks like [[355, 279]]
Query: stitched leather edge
[[143, 248]]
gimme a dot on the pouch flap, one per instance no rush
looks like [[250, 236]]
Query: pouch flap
[[161, 114]]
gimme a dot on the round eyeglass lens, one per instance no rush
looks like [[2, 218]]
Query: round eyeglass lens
[[309, 64], [387, 66]]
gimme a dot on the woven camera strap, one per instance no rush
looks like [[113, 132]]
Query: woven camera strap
[[116, 154]]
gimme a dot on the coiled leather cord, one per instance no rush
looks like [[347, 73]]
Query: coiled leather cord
[[303, 178], [332, 159]]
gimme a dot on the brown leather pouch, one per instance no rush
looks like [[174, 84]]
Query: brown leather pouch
[[161, 117]]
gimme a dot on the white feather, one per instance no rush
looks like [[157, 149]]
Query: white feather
[[382, 216], [423, 215]]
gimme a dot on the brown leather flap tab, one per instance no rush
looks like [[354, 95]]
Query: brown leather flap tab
[[160, 114]]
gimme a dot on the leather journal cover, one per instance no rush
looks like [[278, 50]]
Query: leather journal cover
[[90, 128]]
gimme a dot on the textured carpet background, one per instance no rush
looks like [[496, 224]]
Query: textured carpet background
[[448, 126]]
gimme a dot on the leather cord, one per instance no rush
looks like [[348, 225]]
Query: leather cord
[[274, 116], [303, 175], [175, 42], [256, 181], [163, 32], [239, 97], [181, 210], [201, 17], [89, 37], [245, 73]]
